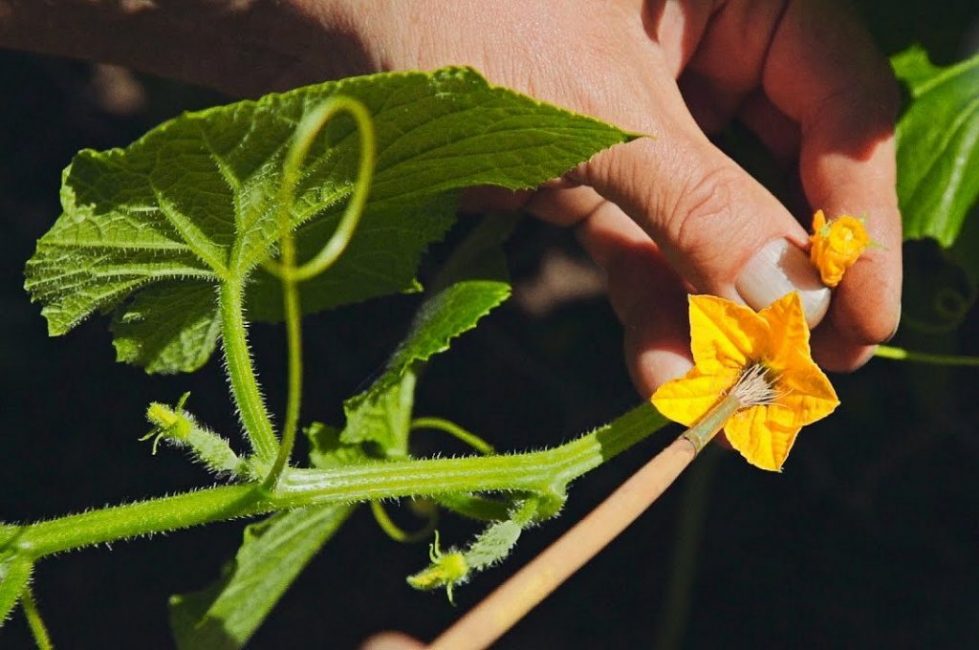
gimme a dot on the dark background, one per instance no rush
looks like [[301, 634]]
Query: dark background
[[869, 538]]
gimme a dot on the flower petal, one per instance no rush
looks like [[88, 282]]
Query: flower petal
[[836, 246], [764, 434], [818, 222], [789, 340], [724, 335], [687, 399], [806, 391]]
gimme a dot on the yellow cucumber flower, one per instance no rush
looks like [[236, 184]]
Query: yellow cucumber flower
[[836, 245], [732, 347]]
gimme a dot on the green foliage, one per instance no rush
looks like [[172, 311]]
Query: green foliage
[[937, 155], [327, 450], [469, 287], [167, 328], [192, 203], [273, 553], [382, 414], [938, 146], [15, 574]]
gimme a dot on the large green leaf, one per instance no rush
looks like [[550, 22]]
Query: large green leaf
[[191, 203], [938, 146], [274, 552]]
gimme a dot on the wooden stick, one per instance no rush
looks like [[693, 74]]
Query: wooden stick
[[501, 610]]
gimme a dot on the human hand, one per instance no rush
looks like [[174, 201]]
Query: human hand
[[663, 215], [672, 213]]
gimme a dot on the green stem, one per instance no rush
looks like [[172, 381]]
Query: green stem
[[294, 338], [475, 507], [286, 268], [34, 620], [338, 242], [541, 472], [900, 354], [398, 534], [136, 519], [241, 372], [454, 430]]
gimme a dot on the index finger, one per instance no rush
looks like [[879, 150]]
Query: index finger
[[823, 71]]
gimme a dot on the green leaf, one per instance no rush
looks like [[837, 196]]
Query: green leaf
[[273, 553], [469, 286], [192, 203], [382, 413], [380, 260], [327, 450], [15, 573], [938, 146], [167, 328]]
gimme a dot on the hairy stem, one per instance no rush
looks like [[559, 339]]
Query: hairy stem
[[900, 354], [241, 372], [286, 268], [542, 472], [398, 534], [294, 344], [454, 430], [38, 629]]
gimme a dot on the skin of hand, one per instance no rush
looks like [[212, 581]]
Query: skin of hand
[[664, 215]]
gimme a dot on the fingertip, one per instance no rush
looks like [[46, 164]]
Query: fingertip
[[867, 303], [836, 354], [391, 641]]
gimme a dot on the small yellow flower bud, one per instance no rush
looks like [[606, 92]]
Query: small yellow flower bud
[[836, 245]]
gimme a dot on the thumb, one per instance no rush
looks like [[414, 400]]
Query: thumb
[[719, 228]]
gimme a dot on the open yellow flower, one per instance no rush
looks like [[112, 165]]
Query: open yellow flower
[[836, 245], [730, 343]]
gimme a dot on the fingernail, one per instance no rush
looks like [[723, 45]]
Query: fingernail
[[778, 269]]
